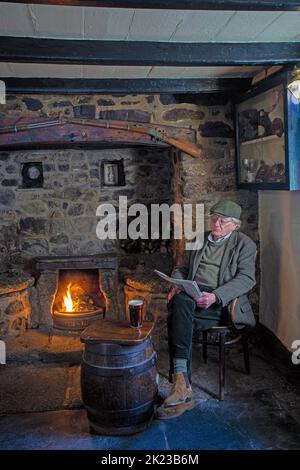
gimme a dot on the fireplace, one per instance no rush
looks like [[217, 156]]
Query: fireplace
[[78, 300], [75, 291]]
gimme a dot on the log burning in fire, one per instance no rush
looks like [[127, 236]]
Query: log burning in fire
[[76, 300]]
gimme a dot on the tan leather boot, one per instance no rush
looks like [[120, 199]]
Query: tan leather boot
[[180, 392], [169, 412]]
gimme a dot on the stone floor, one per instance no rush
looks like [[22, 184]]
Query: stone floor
[[40, 404]]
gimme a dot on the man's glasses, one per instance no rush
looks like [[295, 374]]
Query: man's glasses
[[223, 221]]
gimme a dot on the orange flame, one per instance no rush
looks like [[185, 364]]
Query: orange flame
[[68, 302]]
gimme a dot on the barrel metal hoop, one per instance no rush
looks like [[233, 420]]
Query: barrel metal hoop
[[118, 371], [133, 411], [120, 350]]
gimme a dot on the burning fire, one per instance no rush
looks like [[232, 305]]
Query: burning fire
[[76, 299], [68, 302]]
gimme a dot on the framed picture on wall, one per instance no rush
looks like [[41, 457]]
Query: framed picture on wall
[[112, 173], [261, 137]]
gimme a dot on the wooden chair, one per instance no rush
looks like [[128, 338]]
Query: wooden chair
[[223, 342]]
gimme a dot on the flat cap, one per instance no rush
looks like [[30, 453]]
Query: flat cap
[[227, 208]]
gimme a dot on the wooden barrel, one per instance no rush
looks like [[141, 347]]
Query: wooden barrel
[[118, 383]]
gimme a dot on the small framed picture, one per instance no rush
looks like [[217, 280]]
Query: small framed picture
[[32, 175], [112, 173]]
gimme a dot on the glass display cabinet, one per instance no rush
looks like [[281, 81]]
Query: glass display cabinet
[[268, 136]]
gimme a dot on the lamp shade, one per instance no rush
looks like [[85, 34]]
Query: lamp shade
[[294, 85]]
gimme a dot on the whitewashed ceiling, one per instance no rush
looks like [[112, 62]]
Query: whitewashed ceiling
[[45, 21]]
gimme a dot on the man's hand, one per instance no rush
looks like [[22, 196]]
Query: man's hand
[[175, 290], [205, 300]]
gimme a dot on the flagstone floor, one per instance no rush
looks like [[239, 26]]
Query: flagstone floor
[[260, 411]]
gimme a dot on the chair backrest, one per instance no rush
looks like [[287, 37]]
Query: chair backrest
[[232, 309], [233, 304]]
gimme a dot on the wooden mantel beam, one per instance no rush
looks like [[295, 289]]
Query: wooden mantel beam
[[79, 134], [234, 5], [146, 53]]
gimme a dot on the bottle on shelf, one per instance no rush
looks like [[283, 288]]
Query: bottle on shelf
[[264, 124]]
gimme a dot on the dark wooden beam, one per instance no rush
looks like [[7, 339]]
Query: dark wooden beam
[[68, 86], [146, 53], [235, 5], [78, 134]]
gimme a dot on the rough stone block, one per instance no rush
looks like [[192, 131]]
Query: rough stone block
[[18, 324], [71, 193], [47, 167], [61, 104], [105, 102], [11, 169], [180, 114], [33, 225], [85, 111], [63, 167], [216, 129], [9, 182], [126, 115], [7, 197], [59, 239], [76, 209], [15, 307], [4, 156], [35, 246], [32, 104]]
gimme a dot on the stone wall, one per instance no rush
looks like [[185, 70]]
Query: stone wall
[[60, 218]]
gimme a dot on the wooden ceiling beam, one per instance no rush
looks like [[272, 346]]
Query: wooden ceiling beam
[[233, 5], [146, 53], [69, 86]]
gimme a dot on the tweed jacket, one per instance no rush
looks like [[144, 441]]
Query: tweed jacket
[[236, 274]]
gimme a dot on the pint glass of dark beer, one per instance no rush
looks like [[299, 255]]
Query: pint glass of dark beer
[[136, 313]]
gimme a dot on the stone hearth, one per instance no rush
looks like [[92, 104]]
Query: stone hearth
[[51, 270]]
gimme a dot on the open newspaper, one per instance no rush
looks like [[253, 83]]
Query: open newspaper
[[190, 287]]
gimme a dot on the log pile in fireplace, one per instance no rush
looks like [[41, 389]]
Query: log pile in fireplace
[[78, 300]]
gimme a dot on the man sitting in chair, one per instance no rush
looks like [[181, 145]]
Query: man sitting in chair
[[224, 268]]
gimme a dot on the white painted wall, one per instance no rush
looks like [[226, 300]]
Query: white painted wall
[[279, 231]]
